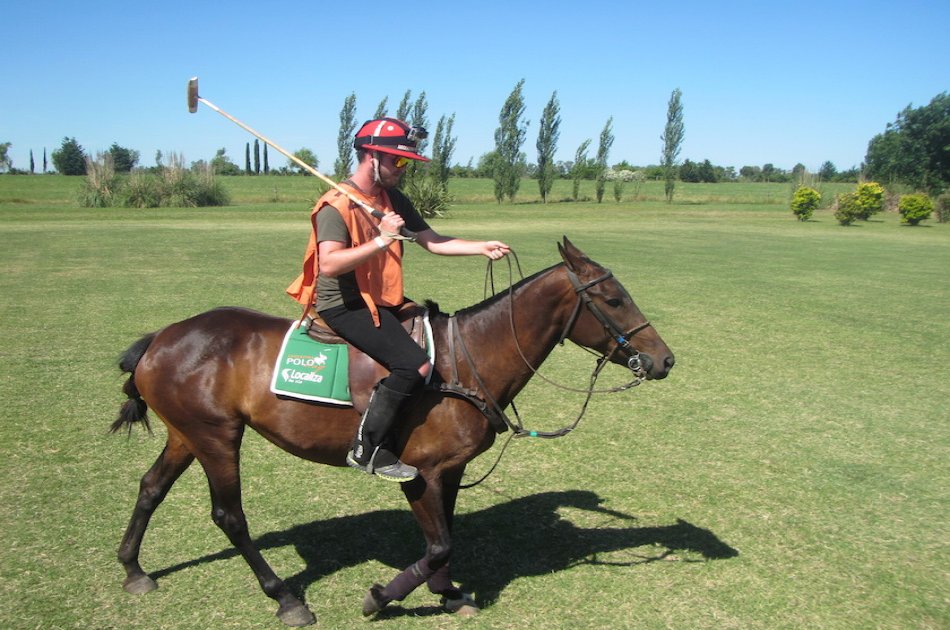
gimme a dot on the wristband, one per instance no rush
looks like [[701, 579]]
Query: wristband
[[380, 243]]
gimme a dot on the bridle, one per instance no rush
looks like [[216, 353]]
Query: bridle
[[610, 326], [494, 411]]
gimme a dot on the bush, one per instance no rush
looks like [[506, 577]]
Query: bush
[[428, 196], [142, 191], [804, 202], [169, 186], [847, 211], [869, 200], [942, 207], [101, 185], [915, 208]]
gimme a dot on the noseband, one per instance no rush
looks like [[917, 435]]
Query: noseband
[[616, 333]]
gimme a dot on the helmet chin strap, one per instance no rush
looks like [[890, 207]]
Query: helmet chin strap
[[376, 178]]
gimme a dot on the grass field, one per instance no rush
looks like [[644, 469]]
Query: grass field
[[792, 472]]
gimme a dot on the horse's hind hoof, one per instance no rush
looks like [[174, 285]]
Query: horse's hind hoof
[[464, 606], [374, 600], [296, 616], [139, 584]]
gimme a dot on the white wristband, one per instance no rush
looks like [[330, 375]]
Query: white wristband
[[380, 243]]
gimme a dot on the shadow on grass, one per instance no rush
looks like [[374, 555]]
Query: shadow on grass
[[492, 547]]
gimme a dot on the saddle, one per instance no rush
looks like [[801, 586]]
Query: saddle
[[364, 372]]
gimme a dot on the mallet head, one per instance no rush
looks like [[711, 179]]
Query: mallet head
[[193, 94]]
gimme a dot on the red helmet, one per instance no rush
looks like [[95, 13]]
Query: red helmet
[[390, 135]]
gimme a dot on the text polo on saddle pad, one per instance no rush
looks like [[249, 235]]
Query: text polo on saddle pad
[[311, 370]]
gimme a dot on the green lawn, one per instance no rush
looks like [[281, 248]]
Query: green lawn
[[792, 472]]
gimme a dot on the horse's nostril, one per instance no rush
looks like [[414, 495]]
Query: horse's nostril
[[668, 362]]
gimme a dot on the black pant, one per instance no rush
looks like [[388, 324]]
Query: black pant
[[389, 345]]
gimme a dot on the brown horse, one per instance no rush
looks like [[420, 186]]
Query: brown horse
[[208, 377]]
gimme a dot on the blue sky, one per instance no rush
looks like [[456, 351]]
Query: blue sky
[[778, 82]]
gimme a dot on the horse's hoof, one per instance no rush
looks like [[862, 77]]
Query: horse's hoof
[[296, 615], [464, 606], [139, 584], [374, 600]]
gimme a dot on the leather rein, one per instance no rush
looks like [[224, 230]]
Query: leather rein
[[480, 397]]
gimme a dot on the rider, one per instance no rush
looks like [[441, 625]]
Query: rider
[[353, 277]]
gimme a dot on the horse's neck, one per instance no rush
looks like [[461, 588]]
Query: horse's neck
[[505, 359]]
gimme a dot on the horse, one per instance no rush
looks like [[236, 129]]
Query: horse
[[207, 378]]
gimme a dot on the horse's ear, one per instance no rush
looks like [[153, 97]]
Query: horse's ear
[[571, 255]]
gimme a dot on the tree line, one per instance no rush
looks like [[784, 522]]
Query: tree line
[[914, 150]]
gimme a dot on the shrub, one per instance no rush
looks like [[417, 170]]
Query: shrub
[[142, 191], [915, 208], [804, 202], [101, 184], [170, 186], [942, 207], [847, 211], [428, 196], [869, 200]]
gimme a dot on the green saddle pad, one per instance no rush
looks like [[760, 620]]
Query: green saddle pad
[[311, 370]]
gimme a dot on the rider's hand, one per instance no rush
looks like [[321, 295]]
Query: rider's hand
[[391, 224], [495, 249]]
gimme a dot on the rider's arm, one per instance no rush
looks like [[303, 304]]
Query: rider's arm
[[437, 243]]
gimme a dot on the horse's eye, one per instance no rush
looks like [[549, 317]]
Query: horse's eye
[[614, 302]]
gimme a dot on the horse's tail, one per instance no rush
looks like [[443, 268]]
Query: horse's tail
[[134, 409]]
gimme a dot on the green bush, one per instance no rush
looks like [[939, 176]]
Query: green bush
[[915, 208], [101, 185], [869, 200], [142, 191], [942, 208], [428, 196], [847, 211], [170, 186], [804, 202]]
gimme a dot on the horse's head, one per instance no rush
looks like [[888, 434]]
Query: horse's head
[[606, 318]]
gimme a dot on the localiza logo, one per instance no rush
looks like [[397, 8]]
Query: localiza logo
[[291, 375]]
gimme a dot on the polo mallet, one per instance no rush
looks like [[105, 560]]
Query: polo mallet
[[194, 99]]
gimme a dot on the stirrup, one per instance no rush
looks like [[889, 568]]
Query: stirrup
[[394, 471]]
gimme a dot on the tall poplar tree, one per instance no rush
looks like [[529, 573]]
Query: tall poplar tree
[[381, 108], [603, 150], [343, 165], [266, 165], [672, 142], [580, 168], [247, 158], [257, 157], [443, 145], [548, 134], [509, 136], [402, 113]]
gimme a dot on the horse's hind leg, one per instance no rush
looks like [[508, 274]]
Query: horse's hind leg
[[222, 469], [173, 461]]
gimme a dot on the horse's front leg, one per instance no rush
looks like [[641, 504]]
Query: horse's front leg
[[427, 496]]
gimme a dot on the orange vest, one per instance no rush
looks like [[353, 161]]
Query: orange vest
[[379, 279]]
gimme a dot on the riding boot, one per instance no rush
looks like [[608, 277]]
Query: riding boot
[[370, 452]]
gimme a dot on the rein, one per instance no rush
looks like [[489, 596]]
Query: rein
[[493, 410]]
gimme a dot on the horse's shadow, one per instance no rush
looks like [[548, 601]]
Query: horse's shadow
[[492, 547]]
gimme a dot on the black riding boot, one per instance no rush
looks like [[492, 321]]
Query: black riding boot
[[369, 453]]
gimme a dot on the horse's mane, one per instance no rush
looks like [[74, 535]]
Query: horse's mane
[[488, 303]]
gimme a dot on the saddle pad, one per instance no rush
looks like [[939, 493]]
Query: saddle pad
[[311, 370]]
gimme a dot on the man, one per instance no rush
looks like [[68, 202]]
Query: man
[[353, 277]]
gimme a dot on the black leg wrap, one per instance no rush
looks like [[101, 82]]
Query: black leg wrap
[[407, 581]]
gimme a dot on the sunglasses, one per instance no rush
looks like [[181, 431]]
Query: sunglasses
[[401, 161]]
